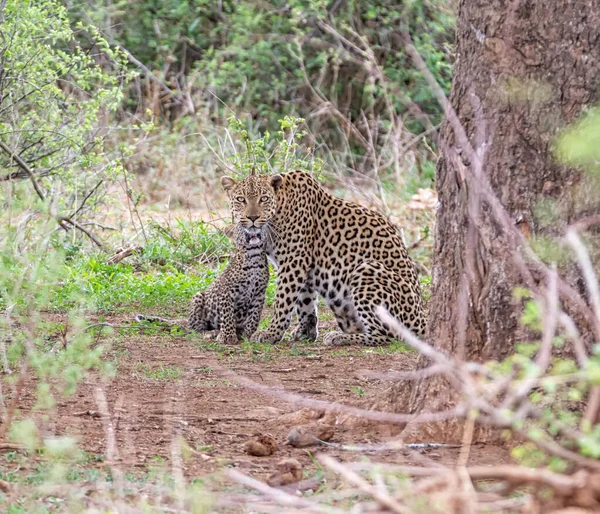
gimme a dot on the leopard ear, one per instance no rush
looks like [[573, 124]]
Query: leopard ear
[[276, 181], [227, 183]]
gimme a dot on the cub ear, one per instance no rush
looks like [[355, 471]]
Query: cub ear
[[229, 231], [198, 298], [276, 181], [227, 183]]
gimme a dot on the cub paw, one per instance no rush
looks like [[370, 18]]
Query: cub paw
[[264, 336], [336, 339], [227, 339]]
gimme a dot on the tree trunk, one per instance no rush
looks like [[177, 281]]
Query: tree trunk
[[525, 69]]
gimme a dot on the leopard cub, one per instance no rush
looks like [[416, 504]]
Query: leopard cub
[[233, 303]]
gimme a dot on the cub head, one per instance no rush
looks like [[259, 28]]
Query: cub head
[[253, 201]]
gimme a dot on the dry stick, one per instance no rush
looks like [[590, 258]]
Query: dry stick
[[385, 447], [544, 355], [23, 165], [575, 337], [131, 204], [464, 480], [563, 484], [65, 219], [123, 254], [167, 91], [382, 497], [111, 442], [86, 198], [177, 466], [467, 440], [302, 401], [585, 263], [587, 268], [12, 408], [276, 494]]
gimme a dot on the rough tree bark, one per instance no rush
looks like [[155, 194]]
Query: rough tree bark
[[524, 70]]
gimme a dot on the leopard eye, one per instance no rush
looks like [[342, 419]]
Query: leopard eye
[[264, 199], [240, 199]]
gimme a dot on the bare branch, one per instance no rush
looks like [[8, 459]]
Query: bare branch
[[23, 165], [379, 495], [78, 226]]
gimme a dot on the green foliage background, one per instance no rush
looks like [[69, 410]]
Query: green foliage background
[[265, 58]]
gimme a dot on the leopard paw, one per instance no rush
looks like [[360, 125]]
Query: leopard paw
[[305, 333], [336, 339]]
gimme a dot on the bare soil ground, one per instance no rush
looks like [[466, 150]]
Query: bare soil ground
[[168, 385]]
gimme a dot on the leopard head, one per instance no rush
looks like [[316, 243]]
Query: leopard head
[[253, 202]]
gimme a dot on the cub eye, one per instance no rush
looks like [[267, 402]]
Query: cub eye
[[240, 199], [264, 199]]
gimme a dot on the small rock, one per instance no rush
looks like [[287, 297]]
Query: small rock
[[263, 446], [299, 417], [310, 434], [289, 471], [5, 487]]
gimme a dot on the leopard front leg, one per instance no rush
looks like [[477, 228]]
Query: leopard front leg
[[227, 333], [290, 279], [306, 308]]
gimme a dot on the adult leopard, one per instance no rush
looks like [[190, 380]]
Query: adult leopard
[[352, 256]]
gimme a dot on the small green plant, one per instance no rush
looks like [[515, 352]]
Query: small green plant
[[300, 349], [358, 391], [266, 154], [185, 244], [258, 351], [425, 281], [163, 372], [396, 346]]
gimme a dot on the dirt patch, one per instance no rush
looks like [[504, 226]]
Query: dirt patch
[[170, 386]]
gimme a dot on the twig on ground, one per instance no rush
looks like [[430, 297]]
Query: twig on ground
[[382, 497], [278, 495], [111, 442]]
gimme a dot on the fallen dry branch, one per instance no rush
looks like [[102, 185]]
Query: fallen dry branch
[[278, 495], [123, 254]]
